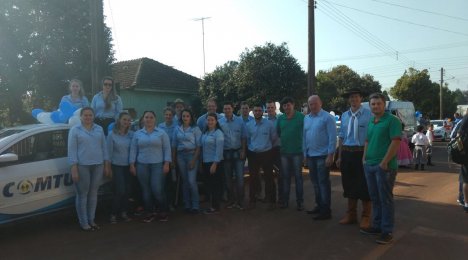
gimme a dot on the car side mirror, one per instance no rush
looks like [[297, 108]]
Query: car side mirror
[[8, 157]]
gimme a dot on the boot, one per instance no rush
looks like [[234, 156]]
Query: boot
[[422, 167], [366, 214], [351, 215], [416, 166], [429, 161]]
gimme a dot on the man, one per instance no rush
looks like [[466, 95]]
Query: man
[[245, 110], [289, 127], [261, 135], [179, 105], [234, 155], [380, 166], [211, 107], [319, 145], [462, 193], [352, 137], [272, 116]]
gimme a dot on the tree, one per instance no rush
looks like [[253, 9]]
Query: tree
[[44, 44], [417, 87], [333, 83], [264, 72]]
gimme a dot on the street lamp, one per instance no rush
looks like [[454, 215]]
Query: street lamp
[[202, 19]]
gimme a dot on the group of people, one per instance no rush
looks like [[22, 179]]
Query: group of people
[[221, 143]]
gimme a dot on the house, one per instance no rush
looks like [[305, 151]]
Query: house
[[145, 84]]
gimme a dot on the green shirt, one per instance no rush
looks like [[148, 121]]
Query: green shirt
[[379, 137], [290, 132]]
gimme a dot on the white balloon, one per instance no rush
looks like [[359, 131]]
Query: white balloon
[[44, 117], [332, 113], [77, 112], [74, 120]]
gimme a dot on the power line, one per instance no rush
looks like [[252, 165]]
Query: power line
[[420, 10], [396, 19], [114, 28]]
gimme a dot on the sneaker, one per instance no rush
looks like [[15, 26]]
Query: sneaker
[[87, 228], [211, 211], [384, 238], [316, 210], [163, 218], [461, 202], [231, 205], [113, 219], [95, 226], [149, 218], [322, 216], [370, 231], [239, 206], [125, 217]]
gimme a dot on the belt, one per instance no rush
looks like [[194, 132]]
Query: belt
[[231, 150], [186, 151], [352, 148]]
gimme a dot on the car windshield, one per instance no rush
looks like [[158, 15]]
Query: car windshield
[[437, 123], [7, 132]]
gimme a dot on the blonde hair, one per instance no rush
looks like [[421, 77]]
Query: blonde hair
[[80, 84]]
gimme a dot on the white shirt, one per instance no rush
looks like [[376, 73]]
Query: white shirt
[[420, 139]]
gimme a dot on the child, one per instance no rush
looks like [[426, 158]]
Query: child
[[430, 137], [404, 153], [419, 153]]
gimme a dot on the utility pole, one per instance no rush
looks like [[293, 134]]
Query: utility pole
[[202, 19], [311, 84], [440, 96], [96, 17]]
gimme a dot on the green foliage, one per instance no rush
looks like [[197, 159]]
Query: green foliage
[[44, 44], [333, 83], [417, 87], [262, 73]]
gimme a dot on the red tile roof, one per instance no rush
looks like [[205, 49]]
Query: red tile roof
[[148, 74]]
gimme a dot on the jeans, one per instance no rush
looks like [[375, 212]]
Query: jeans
[[121, 183], [320, 176], [234, 176], [152, 180], [292, 165], [86, 188], [189, 180], [380, 184]]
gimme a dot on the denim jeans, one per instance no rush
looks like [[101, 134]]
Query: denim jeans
[[380, 184], [86, 188], [320, 176], [234, 176], [121, 183], [189, 180], [152, 180], [292, 165]]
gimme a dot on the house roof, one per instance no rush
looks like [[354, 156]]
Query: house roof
[[149, 75]]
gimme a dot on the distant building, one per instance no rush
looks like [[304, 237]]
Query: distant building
[[145, 84]]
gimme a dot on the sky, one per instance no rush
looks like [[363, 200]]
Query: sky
[[377, 37]]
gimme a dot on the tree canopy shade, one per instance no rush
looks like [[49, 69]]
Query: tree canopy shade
[[416, 86], [333, 83], [263, 73], [44, 44]]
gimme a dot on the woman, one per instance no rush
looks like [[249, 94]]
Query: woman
[[86, 154], [106, 104], [186, 150], [212, 142], [77, 96], [404, 156], [151, 151], [118, 143]]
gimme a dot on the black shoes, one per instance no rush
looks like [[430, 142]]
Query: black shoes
[[370, 231], [314, 211], [322, 216], [385, 238]]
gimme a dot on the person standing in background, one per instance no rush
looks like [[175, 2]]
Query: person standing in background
[[106, 104]]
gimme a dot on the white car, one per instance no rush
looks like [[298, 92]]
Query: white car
[[441, 130], [34, 171]]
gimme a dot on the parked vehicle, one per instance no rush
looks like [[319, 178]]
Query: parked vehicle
[[441, 130], [34, 171]]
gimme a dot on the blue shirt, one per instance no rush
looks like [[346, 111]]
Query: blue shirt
[[99, 107], [274, 119], [151, 147], [86, 147], [319, 134], [363, 115], [234, 131], [186, 139], [118, 147], [201, 122], [248, 118], [212, 146], [169, 129], [261, 135], [77, 103]]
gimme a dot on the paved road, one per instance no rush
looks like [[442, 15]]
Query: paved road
[[429, 225]]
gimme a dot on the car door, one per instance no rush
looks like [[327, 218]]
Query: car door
[[39, 181]]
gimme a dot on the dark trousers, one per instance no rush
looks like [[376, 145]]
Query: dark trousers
[[104, 123], [276, 157], [121, 183], [262, 160], [352, 176], [214, 184]]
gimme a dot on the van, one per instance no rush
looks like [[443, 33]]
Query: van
[[405, 111]]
